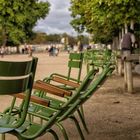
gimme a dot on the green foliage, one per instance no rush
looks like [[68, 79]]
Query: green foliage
[[18, 17], [43, 38], [103, 18]]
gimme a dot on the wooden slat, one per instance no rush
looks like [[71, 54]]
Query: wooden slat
[[47, 89], [40, 85], [66, 82], [55, 88], [34, 99]]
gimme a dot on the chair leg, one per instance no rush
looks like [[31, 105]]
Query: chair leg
[[82, 118], [78, 127], [82, 111], [54, 134], [63, 131]]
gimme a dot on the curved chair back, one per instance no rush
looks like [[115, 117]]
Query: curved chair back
[[16, 77], [75, 61]]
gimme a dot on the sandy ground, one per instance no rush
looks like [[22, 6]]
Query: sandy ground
[[111, 114]]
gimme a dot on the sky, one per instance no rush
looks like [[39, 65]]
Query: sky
[[58, 19]]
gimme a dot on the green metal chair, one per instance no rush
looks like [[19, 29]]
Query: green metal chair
[[54, 115], [68, 82], [16, 77], [75, 63]]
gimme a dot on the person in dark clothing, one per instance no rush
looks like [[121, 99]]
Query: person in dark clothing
[[80, 47], [88, 47], [22, 50], [128, 41], [51, 51]]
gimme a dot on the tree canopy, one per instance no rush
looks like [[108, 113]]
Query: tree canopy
[[43, 38], [18, 17], [103, 18]]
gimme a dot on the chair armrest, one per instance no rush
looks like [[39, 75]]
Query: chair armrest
[[46, 87], [66, 82], [33, 99]]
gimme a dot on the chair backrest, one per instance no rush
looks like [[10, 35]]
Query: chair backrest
[[75, 62], [17, 77]]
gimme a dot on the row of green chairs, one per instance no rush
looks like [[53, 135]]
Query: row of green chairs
[[98, 58], [52, 111], [55, 103], [69, 82], [54, 116], [71, 64]]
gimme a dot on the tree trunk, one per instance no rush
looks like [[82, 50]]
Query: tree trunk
[[132, 24], [126, 27], [115, 43], [120, 39], [18, 51], [123, 32], [4, 37]]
